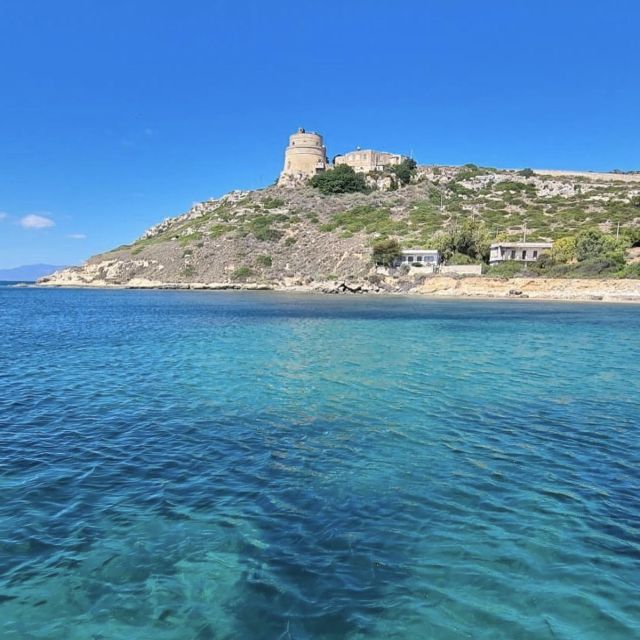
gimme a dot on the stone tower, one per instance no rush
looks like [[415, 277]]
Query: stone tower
[[304, 157]]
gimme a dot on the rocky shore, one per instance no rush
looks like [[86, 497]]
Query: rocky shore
[[577, 290]]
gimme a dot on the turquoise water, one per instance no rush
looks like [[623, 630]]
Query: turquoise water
[[202, 465]]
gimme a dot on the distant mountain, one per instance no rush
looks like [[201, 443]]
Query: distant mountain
[[28, 272]]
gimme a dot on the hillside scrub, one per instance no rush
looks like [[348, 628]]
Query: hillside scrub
[[458, 210], [404, 171], [385, 252], [341, 179], [468, 238]]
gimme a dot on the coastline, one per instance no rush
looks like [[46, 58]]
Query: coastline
[[483, 287]]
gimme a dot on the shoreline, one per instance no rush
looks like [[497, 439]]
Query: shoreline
[[472, 287]]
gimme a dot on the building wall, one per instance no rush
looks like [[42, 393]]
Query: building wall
[[518, 252], [365, 160], [304, 157], [462, 269]]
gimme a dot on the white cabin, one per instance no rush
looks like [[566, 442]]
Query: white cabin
[[519, 251], [420, 257]]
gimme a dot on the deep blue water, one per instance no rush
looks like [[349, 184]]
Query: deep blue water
[[202, 465]]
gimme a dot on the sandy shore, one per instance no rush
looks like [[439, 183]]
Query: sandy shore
[[570, 289], [607, 290]]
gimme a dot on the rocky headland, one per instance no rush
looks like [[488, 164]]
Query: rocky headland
[[294, 238]]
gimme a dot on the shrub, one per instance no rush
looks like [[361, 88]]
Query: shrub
[[242, 273], [364, 218], [190, 237], [589, 244], [631, 271], [342, 179], [592, 244], [507, 269], [290, 241], [459, 259], [405, 170], [261, 228], [384, 252], [264, 261], [527, 173], [469, 238], [564, 250], [273, 203]]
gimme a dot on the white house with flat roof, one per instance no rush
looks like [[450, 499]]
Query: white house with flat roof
[[519, 251], [420, 257]]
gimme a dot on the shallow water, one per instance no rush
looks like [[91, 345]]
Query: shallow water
[[208, 465]]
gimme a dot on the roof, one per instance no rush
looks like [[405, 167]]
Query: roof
[[388, 153], [410, 251], [522, 245]]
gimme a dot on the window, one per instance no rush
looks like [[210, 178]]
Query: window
[[535, 255], [409, 258], [418, 258], [524, 254], [513, 254]]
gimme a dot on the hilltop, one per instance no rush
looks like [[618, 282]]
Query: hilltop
[[284, 236]]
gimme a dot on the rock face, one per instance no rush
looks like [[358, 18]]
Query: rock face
[[292, 237]]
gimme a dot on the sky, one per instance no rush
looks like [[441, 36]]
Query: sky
[[115, 115]]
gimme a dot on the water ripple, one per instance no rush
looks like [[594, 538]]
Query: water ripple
[[183, 465]]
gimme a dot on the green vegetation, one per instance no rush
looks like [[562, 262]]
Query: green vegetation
[[189, 238], [384, 252], [218, 230], [273, 203], [590, 253], [467, 238], [365, 218], [342, 179], [242, 273], [404, 171], [508, 269], [460, 216], [261, 227]]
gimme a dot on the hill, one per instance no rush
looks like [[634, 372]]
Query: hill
[[285, 236]]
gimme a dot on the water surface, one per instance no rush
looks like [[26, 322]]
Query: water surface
[[216, 465]]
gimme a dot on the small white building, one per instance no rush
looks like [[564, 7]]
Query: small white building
[[420, 257], [519, 251]]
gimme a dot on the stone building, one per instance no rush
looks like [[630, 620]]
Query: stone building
[[365, 160], [519, 251], [305, 156]]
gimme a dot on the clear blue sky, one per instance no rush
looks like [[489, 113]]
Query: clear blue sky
[[114, 115]]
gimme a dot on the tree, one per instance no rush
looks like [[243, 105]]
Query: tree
[[405, 170], [589, 244], [593, 244], [341, 179], [469, 238], [564, 250], [384, 252]]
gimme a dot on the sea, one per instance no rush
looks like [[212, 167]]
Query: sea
[[184, 465]]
